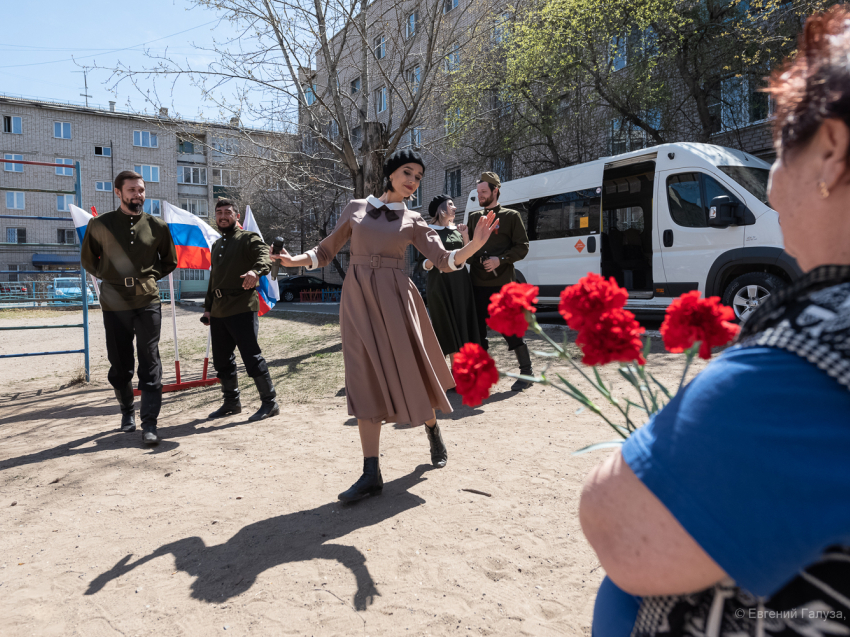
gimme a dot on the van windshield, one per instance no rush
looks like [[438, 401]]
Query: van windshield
[[753, 179]]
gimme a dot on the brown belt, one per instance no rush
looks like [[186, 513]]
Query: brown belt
[[377, 261]]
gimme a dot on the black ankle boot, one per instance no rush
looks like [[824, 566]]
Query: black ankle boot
[[523, 357], [439, 453], [128, 413], [232, 404], [269, 407], [149, 411], [370, 483]]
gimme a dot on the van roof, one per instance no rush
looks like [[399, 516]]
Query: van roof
[[589, 174]]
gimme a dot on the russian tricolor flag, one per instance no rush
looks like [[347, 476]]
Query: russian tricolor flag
[[268, 290], [192, 237], [81, 221]]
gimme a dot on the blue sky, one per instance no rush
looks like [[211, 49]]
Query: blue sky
[[42, 36]]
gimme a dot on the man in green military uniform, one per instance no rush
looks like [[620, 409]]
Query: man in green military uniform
[[130, 250], [493, 265], [239, 259]]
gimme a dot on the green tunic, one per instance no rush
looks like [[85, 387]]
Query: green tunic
[[450, 301], [233, 255], [509, 243], [130, 253]]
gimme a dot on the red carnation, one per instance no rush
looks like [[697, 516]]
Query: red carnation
[[508, 307], [475, 373], [593, 295], [690, 319], [613, 336]]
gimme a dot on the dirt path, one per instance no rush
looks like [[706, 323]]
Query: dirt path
[[236, 525]]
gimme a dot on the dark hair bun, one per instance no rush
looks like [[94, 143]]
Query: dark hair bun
[[436, 202], [400, 158]]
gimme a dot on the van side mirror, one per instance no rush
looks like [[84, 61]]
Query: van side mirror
[[725, 212]]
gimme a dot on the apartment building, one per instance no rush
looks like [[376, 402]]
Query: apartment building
[[184, 163]]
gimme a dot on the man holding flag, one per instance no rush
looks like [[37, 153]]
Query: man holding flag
[[130, 250], [240, 261]]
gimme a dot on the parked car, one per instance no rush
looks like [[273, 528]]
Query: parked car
[[662, 221], [291, 287], [67, 290], [13, 290]]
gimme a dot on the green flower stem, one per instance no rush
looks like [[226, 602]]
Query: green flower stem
[[689, 356]]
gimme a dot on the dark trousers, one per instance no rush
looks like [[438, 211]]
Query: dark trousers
[[230, 332], [482, 296], [121, 327]]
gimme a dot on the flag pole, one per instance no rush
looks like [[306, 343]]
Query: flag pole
[[174, 325]]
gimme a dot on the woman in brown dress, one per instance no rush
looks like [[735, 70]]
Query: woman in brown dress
[[395, 371]]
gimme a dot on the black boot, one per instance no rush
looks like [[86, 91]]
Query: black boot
[[149, 411], [269, 407], [523, 357], [128, 413], [439, 453], [232, 404], [370, 483]]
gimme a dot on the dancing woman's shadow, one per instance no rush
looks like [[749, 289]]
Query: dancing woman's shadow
[[225, 570]]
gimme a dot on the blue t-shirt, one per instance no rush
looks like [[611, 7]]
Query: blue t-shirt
[[753, 459]]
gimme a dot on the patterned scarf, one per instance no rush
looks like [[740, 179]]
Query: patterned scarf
[[810, 318]]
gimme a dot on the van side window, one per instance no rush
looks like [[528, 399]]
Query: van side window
[[571, 214], [684, 197], [689, 196]]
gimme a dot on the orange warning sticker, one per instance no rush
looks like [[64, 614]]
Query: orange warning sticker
[[579, 245]]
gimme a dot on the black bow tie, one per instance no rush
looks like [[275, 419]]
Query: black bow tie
[[375, 213]]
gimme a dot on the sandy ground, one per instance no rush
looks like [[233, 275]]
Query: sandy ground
[[235, 526]]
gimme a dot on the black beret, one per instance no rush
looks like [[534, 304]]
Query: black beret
[[400, 158], [436, 202]]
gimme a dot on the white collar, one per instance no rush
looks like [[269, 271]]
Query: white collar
[[437, 227], [377, 203]]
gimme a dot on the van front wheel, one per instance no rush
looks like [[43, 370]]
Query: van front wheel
[[746, 292]]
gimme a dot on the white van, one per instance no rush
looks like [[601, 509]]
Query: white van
[[662, 221]]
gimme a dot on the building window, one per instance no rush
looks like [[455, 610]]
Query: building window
[[63, 201], [380, 47], [225, 145], [448, 5], [310, 92], [224, 177], [626, 137], [501, 29], [64, 172], [502, 167], [355, 85], [16, 235], [381, 99], [198, 207], [742, 102], [66, 236], [13, 168], [416, 198], [413, 77], [103, 186], [14, 277], [145, 139], [152, 207], [185, 147], [410, 25], [452, 62], [356, 137], [452, 120], [62, 130], [148, 173], [16, 200], [192, 275], [415, 137], [12, 125], [189, 175], [452, 188], [103, 151]]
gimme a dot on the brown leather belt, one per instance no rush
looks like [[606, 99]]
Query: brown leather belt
[[377, 261]]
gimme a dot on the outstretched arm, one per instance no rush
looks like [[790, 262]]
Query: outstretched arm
[[322, 254]]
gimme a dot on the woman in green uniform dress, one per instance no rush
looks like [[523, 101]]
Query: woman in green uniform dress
[[450, 301]]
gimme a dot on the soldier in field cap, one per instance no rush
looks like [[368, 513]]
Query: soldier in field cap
[[493, 265]]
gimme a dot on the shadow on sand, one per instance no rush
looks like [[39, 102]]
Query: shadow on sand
[[225, 570]]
